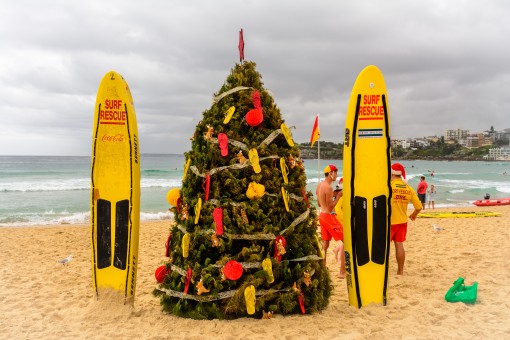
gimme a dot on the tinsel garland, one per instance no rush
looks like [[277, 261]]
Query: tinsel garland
[[294, 223], [226, 93]]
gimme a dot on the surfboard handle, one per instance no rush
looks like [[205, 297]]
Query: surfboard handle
[[104, 252], [380, 229], [360, 230], [121, 234]]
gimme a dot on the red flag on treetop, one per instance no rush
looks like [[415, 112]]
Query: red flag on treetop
[[241, 46]]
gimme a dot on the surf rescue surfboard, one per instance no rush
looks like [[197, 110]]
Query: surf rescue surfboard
[[367, 189], [115, 189], [459, 214]]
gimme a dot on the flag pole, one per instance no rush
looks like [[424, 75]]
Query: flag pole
[[318, 154]]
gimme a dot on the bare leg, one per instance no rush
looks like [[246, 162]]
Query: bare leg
[[339, 255], [429, 204], [342, 260], [325, 245], [433, 205], [336, 251], [401, 257]]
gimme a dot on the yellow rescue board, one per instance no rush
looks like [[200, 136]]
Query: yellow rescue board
[[115, 189], [459, 214], [366, 198]]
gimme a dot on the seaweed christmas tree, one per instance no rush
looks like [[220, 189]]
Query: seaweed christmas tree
[[244, 241]]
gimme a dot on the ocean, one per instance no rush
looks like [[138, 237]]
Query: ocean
[[55, 190]]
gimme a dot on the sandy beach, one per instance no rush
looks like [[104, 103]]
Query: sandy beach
[[42, 299]]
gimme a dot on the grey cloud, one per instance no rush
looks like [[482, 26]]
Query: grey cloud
[[445, 65]]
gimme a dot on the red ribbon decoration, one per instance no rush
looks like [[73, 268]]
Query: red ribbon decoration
[[178, 206], [279, 238], [206, 186], [305, 197], [301, 299], [188, 280], [255, 99], [218, 220], [167, 245]]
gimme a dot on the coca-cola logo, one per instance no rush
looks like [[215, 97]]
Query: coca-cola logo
[[118, 138]]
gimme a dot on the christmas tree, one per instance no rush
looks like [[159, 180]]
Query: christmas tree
[[244, 241]]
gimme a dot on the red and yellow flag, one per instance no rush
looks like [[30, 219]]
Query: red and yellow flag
[[315, 132]]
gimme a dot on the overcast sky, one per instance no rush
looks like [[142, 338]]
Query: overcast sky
[[446, 65]]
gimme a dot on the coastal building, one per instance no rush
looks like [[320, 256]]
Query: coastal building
[[457, 134], [403, 143], [420, 143], [477, 140], [498, 154], [503, 135]]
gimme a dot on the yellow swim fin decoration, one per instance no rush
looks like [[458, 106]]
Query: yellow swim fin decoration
[[249, 297], [186, 168], [287, 134], [319, 246], [267, 265], [285, 195], [228, 114], [254, 160], [285, 170], [198, 207], [185, 245]]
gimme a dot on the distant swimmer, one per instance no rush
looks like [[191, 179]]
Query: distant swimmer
[[504, 173], [431, 173]]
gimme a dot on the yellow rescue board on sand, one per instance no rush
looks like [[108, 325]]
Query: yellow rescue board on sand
[[367, 189], [115, 189], [459, 214]]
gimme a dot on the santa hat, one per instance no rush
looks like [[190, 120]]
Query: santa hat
[[398, 169]]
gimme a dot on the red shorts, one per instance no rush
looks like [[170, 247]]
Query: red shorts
[[398, 232], [331, 227]]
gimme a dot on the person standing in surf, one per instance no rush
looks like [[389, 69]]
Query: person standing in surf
[[432, 195], [401, 195], [330, 226], [422, 190]]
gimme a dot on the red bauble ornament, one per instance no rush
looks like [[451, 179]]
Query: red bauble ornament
[[254, 117], [233, 270], [160, 273]]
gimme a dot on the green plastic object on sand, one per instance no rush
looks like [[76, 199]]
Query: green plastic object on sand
[[461, 293]]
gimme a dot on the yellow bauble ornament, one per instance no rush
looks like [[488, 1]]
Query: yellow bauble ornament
[[255, 190], [172, 196]]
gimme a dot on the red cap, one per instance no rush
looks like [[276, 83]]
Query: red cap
[[330, 168], [398, 169]]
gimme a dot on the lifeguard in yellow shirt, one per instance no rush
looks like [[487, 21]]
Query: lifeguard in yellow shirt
[[401, 195]]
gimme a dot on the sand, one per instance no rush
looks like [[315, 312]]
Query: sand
[[42, 299]]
